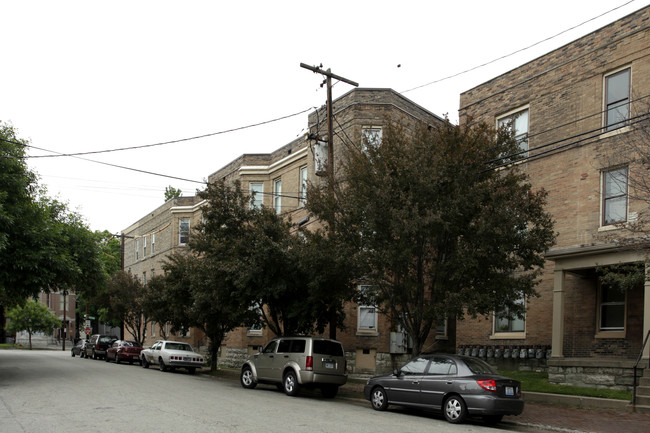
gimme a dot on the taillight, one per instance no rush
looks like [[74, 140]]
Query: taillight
[[309, 363], [488, 385]]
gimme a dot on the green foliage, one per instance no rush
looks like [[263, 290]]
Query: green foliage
[[125, 295], [171, 192], [443, 235], [31, 317], [623, 277]]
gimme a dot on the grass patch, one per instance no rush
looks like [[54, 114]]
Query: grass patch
[[534, 381], [12, 346]]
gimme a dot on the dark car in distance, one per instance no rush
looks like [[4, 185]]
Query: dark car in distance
[[97, 345], [79, 348], [457, 386], [122, 350]]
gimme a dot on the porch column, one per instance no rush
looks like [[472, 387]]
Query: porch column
[[646, 312], [557, 339]]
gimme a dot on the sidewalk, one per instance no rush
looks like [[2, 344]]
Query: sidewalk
[[561, 413]]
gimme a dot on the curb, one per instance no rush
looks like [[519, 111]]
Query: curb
[[577, 401]]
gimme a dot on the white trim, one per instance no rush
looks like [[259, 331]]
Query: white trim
[[269, 169]]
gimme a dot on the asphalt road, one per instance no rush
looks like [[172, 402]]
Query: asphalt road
[[50, 392]]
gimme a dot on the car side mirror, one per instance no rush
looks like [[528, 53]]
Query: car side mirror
[[397, 372]]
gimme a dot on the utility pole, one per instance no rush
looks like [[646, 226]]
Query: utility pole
[[330, 149], [330, 126]]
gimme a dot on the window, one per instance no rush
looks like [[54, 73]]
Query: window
[[184, 231], [137, 249], [144, 247], [144, 278], [441, 329], [371, 136], [303, 187], [517, 122], [367, 320], [153, 273], [257, 194], [617, 99], [504, 324], [62, 302], [416, 366], [614, 196], [612, 309], [277, 195], [153, 244], [153, 329]]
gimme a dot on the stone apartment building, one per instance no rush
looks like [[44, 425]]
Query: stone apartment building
[[575, 111], [279, 180]]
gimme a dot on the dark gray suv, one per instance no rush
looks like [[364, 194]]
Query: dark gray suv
[[294, 362]]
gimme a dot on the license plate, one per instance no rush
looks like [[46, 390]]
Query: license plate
[[136, 356], [329, 365], [187, 358], [510, 390]]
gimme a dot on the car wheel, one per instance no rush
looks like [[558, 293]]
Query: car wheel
[[290, 382], [144, 363], [82, 354], [246, 378], [72, 352], [191, 370], [455, 410], [329, 391], [378, 398], [106, 358], [94, 355], [161, 365], [117, 359], [492, 419]]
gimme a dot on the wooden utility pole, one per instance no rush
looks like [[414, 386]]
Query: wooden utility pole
[[330, 126], [330, 149]]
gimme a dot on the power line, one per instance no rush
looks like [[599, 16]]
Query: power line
[[517, 51]]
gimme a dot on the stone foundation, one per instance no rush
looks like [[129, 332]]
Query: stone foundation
[[593, 373]]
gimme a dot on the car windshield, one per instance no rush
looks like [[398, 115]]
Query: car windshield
[[106, 339], [328, 347], [178, 346], [130, 344], [479, 367]]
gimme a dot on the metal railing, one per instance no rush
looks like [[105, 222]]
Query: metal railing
[[638, 360]]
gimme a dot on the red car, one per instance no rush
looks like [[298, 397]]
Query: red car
[[123, 350]]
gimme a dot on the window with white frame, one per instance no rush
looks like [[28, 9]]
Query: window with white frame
[[614, 193], [505, 322], [183, 231], [303, 186], [367, 320], [517, 122], [611, 303], [371, 137], [137, 249], [617, 99], [277, 195], [62, 302], [257, 194], [441, 328], [153, 244], [144, 247]]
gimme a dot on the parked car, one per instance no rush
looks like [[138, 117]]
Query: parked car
[[293, 362], [458, 386], [79, 348], [97, 345], [170, 355], [122, 350]]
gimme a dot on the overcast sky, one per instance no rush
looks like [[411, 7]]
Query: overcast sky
[[81, 76]]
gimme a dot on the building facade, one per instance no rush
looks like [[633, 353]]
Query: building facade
[[577, 111]]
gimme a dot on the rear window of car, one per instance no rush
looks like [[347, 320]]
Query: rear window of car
[[479, 367], [178, 346], [106, 339], [328, 347]]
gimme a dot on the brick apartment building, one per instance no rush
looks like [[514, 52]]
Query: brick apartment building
[[278, 180], [575, 110]]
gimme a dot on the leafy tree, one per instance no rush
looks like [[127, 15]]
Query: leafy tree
[[31, 317], [443, 234], [126, 304], [171, 192]]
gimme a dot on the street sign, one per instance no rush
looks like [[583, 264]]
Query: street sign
[[88, 331]]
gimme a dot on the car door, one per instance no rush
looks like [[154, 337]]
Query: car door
[[405, 387], [152, 353], [264, 360], [439, 380]]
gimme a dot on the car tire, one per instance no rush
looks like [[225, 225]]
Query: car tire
[[455, 409], [82, 354], [144, 363], [290, 382], [106, 358], [72, 352], [161, 365], [492, 419], [378, 398], [246, 378], [329, 391], [191, 370], [117, 359], [94, 355]]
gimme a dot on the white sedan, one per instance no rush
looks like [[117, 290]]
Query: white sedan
[[169, 355]]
